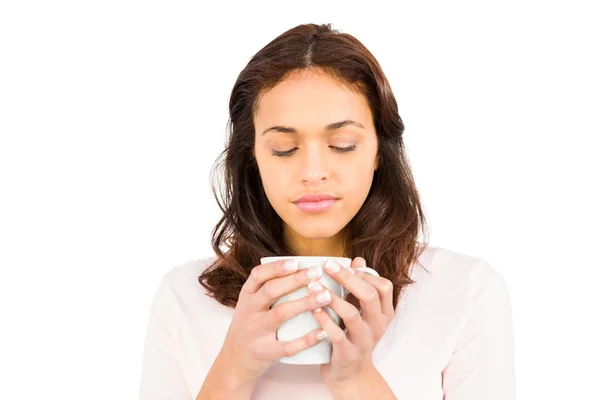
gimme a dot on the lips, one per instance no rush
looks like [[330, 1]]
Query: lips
[[314, 198], [312, 203]]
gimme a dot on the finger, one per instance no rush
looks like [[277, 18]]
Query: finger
[[336, 335], [363, 291], [384, 287], [357, 327], [292, 347], [264, 272], [282, 312], [358, 262], [275, 288]]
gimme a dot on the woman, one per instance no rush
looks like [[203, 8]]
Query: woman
[[315, 165]]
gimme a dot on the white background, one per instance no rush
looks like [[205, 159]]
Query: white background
[[113, 112]]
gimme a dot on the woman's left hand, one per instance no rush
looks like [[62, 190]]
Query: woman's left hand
[[352, 350]]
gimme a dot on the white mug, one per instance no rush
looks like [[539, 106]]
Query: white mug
[[305, 322]]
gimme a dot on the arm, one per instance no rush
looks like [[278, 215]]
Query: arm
[[371, 385], [220, 383], [162, 376], [482, 365]]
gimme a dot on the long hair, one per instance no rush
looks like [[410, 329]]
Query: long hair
[[384, 231]]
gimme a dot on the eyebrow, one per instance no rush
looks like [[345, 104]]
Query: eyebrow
[[330, 127]]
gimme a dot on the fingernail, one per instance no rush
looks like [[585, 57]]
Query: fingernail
[[332, 266], [322, 335], [291, 265], [315, 272], [324, 297], [318, 309], [315, 286]]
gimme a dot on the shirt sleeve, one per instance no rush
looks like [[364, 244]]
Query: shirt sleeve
[[162, 377], [482, 364]]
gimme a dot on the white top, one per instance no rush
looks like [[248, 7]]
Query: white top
[[451, 338]]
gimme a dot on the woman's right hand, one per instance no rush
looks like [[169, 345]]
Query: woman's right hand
[[250, 345]]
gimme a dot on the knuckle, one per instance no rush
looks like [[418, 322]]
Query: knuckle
[[269, 289], [256, 273], [372, 296], [288, 350], [338, 338], [301, 278], [310, 301], [344, 278], [279, 314], [354, 316], [387, 286]]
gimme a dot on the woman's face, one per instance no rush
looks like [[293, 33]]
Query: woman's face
[[300, 156]]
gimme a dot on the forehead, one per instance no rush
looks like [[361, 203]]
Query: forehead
[[309, 101]]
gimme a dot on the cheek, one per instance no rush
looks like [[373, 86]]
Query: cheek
[[357, 180], [275, 183]]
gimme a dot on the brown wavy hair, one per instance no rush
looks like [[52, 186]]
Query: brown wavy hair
[[385, 230]]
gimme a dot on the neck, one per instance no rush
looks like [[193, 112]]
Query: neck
[[332, 246]]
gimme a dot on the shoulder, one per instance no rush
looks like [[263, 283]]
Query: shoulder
[[183, 273], [448, 273], [179, 285]]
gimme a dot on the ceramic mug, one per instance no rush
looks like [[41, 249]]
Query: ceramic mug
[[305, 322]]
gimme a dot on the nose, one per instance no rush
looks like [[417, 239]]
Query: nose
[[315, 168]]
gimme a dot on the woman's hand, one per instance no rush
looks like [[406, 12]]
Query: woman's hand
[[250, 345], [352, 350]]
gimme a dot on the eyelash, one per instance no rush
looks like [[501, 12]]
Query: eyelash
[[289, 152]]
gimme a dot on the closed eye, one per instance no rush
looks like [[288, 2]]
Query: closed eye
[[337, 149]]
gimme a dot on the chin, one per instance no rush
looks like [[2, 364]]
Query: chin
[[316, 230]]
